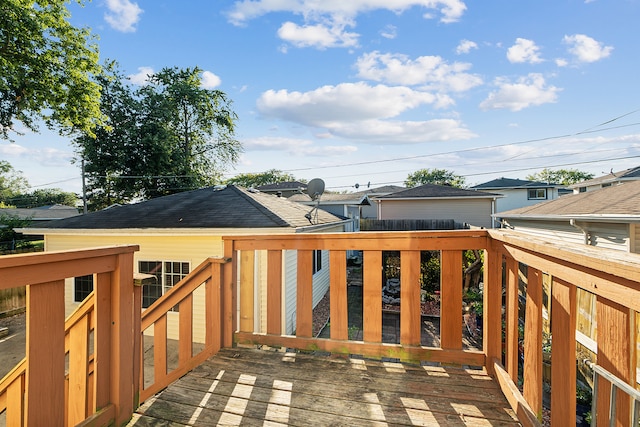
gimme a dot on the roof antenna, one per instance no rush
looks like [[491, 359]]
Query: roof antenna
[[315, 188]]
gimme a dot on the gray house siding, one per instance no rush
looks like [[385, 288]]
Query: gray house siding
[[476, 212]]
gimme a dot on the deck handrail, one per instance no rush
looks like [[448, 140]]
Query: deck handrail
[[39, 392]]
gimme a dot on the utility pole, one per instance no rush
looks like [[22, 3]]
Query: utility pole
[[84, 191]]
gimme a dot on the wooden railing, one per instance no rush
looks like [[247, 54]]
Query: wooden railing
[[612, 276], [223, 300], [155, 321], [98, 388]]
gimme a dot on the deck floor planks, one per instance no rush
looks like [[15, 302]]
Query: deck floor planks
[[326, 391]]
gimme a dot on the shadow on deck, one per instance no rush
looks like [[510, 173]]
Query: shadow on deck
[[242, 386]]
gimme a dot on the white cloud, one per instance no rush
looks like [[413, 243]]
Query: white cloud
[[210, 80], [142, 76], [123, 15], [586, 49], [524, 51], [528, 91], [344, 102], [246, 10], [465, 46], [561, 62], [362, 112], [403, 132], [319, 36], [389, 32], [432, 71], [296, 146]]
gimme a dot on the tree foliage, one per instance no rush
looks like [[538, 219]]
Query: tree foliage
[[47, 68], [12, 182], [167, 136], [560, 176], [44, 197], [272, 176], [434, 176]]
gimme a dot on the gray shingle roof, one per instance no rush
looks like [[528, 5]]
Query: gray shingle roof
[[230, 207], [624, 175], [437, 191], [504, 183], [622, 199], [290, 185]]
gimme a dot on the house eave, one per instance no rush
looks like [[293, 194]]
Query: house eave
[[622, 218]]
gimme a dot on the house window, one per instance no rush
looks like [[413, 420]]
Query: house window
[[537, 194], [317, 261], [582, 190], [168, 274], [82, 287]]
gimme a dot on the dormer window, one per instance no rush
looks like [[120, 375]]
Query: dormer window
[[537, 194]]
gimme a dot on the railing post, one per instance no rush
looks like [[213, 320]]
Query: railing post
[[122, 339], [563, 327], [492, 308], [44, 387]]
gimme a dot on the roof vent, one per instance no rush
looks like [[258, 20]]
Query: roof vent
[[219, 187]]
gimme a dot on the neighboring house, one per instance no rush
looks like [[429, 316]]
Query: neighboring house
[[346, 205], [371, 211], [608, 217], [519, 193], [608, 180], [41, 214], [178, 232], [284, 189], [432, 201]]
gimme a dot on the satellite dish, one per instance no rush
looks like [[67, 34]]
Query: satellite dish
[[315, 188]]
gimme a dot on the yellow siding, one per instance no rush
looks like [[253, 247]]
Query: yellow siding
[[191, 249]]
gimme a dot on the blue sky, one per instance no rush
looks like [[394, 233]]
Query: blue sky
[[368, 91]]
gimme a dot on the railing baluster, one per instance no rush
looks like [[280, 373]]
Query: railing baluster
[[512, 319], [247, 269], [338, 295], [185, 340], [304, 294], [372, 296], [451, 302], [410, 317], [274, 292], [533, 341], [614, 334], [78, 371], [563, 309]]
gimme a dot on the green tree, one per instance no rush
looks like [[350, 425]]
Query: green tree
[[44, 197], [168, 136], [9, 238], [560, 176], [199, 123], [47, 67], [272, 176], [434, 176], [12, 182]]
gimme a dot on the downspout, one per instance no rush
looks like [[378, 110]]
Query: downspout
[[573, 223]]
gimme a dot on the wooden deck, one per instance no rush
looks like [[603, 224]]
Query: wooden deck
[[243, 386]]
